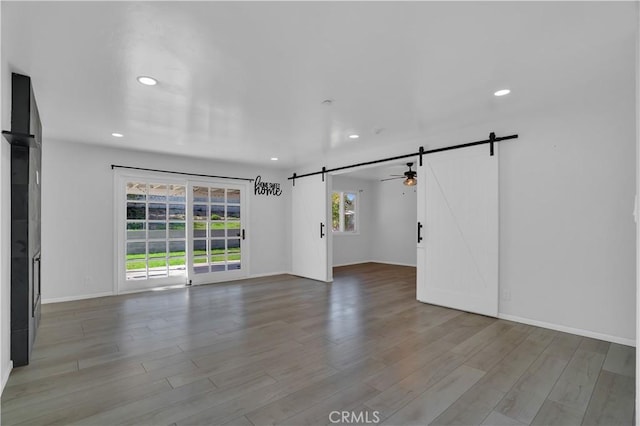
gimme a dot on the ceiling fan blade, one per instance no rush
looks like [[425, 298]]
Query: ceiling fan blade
[[393, 178], [397, 175]]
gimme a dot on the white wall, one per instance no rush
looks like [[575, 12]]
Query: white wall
[[77, 215], [395, 223], [567, 235], [5, 262], [355, 248], [5, 229], [637, 51]]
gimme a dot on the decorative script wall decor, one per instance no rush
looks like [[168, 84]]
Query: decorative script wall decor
[[266, 188]]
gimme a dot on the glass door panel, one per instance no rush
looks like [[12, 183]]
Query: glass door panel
[[216, 231], [155, 231]]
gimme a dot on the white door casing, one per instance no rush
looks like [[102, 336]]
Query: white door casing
[[311, 231], [458, 209]]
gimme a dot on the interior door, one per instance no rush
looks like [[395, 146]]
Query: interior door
[[311, 231], [458, 220]]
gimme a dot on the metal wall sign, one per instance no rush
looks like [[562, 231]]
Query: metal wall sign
[[266, 188]]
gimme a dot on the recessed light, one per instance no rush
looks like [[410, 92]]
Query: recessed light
[[117, 135], [354, 136], [502, 92], [147, 81], [274, 158]]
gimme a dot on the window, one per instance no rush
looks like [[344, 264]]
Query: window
[[344, 211]]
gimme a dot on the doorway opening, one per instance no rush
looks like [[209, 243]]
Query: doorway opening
[[374, 215]]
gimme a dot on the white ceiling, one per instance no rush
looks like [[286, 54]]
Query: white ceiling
[[245, 81]]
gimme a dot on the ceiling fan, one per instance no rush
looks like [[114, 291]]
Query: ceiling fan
[[409, 176]]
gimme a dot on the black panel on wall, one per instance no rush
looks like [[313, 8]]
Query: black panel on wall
[[26, 154]]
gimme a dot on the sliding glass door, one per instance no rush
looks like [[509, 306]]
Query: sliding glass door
[[176, 232], [218, 232]]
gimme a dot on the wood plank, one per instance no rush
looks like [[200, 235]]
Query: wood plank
[[343, 400], [22, 396], [256, 398], [524, 400], [179, 410], [555, 413], [480, 340], [215, 365], [575, 386], [495, 351], [78, 405], [398, 395], [506, 373], [594, 345], [472, 407], [140, 407], [149, 353], [429, 405], [35, 372], [621, 359], [408, 365], [499, 419], [612, 402], [239, 421], [283, 408]]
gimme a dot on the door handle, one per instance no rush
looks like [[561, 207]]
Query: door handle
[[419, 232], [321, 230], [243, 234]]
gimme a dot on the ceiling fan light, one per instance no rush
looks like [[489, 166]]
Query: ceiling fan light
[[410, 181]]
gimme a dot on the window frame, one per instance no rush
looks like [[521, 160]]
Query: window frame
[[341, 230]]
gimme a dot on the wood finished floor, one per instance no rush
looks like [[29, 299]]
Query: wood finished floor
[[286, 350]]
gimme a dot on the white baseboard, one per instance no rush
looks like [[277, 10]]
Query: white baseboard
[[5, 375], [374, 261], [565, 329], [109, 293], [394, 263], [247, 277], [360, 262], [72, 298], [269, 274]]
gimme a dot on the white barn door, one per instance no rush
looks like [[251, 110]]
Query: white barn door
[[311, 231], [458, 210]]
